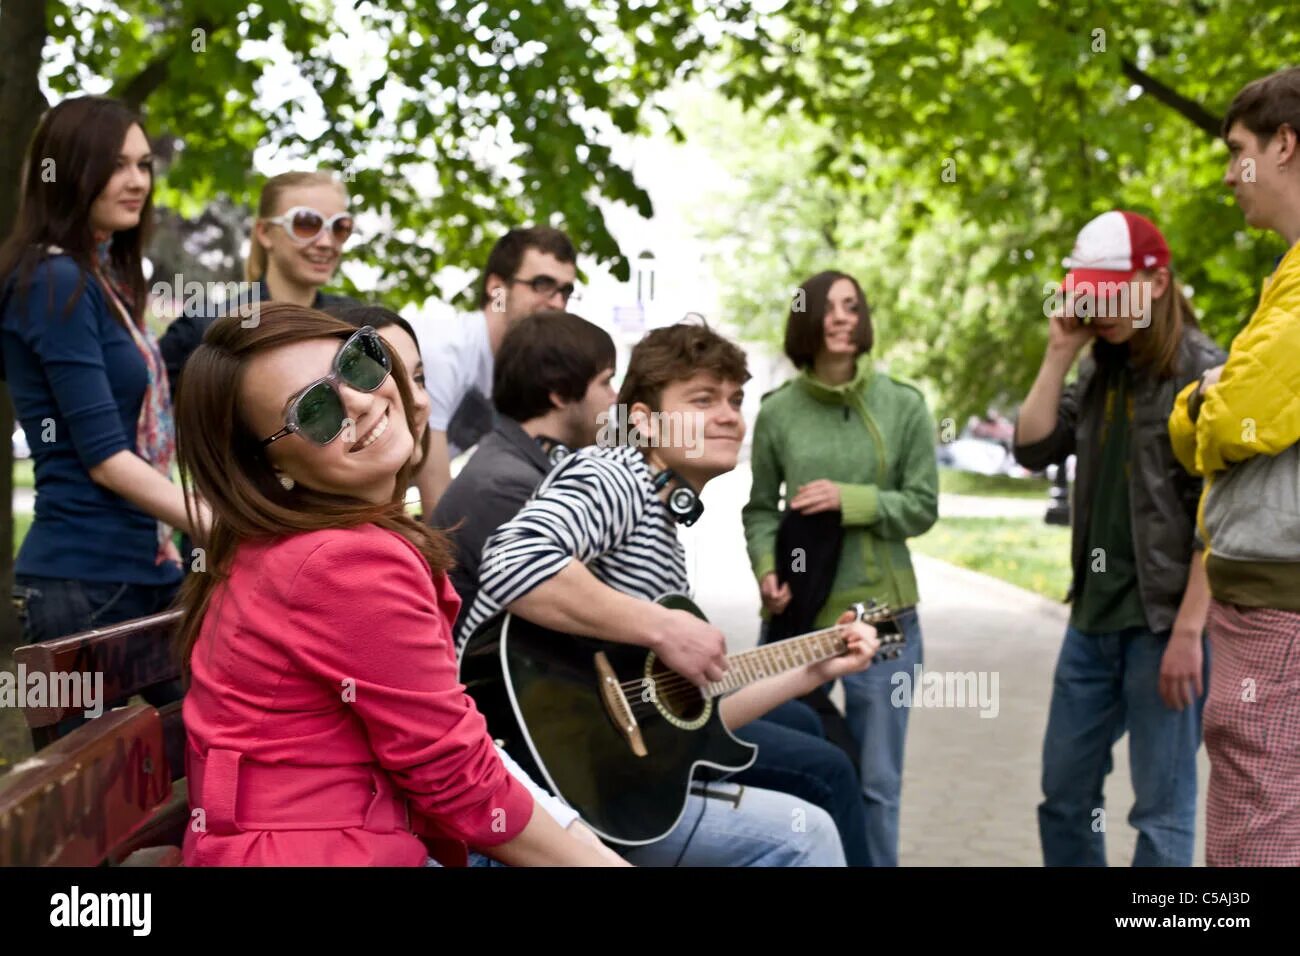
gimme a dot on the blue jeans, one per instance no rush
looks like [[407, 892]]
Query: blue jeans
[[794, 758], [736, 825], [53, 607], [1106, 684], [880, 730]]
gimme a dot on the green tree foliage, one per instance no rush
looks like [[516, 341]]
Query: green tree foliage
[[464, 119], [948, 153]]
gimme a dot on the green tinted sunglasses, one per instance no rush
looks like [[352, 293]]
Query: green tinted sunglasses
[[317, 413]]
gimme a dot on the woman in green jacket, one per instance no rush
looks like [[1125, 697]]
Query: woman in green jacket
[[843, 437]]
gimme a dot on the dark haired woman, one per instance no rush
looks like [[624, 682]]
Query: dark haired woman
[[325, 723], [87, 381], [844, 438]]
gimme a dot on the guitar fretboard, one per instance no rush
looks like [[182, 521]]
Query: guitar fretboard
[[749, 666]]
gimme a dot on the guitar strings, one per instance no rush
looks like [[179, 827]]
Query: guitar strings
[[669, 680], [674, 681], [676, 691]]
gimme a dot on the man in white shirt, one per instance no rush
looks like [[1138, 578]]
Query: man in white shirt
[[528, 270]]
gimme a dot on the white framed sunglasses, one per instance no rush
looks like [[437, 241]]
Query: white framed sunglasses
[[305, 225]]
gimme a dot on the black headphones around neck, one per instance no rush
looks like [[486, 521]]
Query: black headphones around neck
[[554, 451], [683, 503]]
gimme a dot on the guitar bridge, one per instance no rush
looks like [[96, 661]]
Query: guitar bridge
[[616, 704]]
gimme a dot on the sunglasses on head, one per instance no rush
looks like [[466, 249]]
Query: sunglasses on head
[[317, 413], [305, 225]]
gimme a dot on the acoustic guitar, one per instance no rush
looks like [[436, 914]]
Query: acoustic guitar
[[613, 731]]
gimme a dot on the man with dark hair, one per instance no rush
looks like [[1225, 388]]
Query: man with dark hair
[[1238, 426], [527, 270], [597, 542], [551, 382]]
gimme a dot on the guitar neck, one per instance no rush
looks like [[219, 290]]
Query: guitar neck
[[770, 659]]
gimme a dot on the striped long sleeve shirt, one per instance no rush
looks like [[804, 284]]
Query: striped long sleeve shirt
[[598, 507]]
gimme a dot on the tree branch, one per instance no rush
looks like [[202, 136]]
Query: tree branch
[[1191, 110]]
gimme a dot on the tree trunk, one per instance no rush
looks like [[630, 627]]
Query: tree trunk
[[22, 39]]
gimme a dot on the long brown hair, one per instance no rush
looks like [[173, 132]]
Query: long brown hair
[[1155, 348], [72, 156], [223, 461], [268, 204]]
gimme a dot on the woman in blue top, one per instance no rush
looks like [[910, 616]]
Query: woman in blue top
[[87, 382]]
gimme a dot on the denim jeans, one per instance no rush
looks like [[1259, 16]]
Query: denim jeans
[[794, 758], [1106, 684], [880, 729], [735, 825], [52, 607]]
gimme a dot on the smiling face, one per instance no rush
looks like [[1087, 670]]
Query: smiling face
[[699, 427], [843, 311], [363, 461], [311, 263], [118, 205]]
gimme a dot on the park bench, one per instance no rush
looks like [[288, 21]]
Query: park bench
[[92, 797], [133, 656]]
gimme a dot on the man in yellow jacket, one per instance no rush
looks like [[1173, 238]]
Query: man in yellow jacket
[[1239, 427]]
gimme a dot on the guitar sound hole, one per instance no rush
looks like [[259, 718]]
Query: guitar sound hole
[[676, 695]]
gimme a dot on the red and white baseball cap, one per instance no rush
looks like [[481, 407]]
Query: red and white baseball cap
[[1113, 247]]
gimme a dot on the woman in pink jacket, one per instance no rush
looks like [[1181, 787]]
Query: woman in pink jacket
[[325, 722]]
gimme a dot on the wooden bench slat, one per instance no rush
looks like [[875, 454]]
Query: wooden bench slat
[[132, 656], [75, 802]]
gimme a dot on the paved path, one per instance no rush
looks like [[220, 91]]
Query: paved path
[[971, 783]]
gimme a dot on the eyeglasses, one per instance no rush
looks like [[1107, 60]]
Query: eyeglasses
[[304, 225], [546, 286], [317, 413]]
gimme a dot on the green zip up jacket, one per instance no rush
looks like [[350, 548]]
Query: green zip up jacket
[[872, 436]]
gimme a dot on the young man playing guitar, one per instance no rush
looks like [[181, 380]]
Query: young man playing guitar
[[609, 508]]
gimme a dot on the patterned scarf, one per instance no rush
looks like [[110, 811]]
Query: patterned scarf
[[155, 433]]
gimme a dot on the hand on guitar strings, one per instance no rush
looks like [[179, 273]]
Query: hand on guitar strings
[[695, 649], [862, 646]]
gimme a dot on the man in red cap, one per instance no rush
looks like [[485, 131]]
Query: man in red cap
[[1133, 657]]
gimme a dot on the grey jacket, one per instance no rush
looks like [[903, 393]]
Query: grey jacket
[[1252, 517], [499, 477], [1162, 495]]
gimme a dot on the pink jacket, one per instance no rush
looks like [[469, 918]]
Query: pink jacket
[[324, 718]]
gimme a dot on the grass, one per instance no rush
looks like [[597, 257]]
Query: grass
[[1023, 551], [23, 476], [955, 482], [21, 523]]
